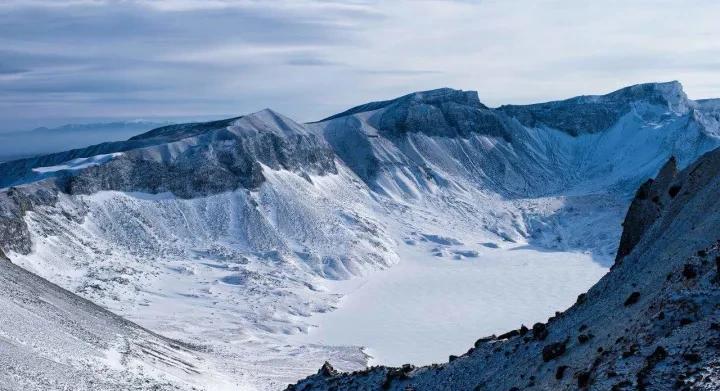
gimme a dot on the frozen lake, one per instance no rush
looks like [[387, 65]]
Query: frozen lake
[[427, 307]]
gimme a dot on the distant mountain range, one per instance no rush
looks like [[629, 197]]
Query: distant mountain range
[[43, 140]]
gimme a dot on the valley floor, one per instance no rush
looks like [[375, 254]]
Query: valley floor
[[428, 307]]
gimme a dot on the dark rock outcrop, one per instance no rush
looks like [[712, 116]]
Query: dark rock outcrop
[[646, 207], [188, 159], [552, 351]]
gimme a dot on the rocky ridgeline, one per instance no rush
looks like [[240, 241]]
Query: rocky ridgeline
[[440, 139], [414, 146], [188, 160], [593, 114], [652, 323]]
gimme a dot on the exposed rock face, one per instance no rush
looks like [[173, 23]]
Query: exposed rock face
[[647, 206], [425, 143], [208, 168], [438, 96], [593, 114], [14, 204], [189, 159], [446, 139], [443, 113], [666, 338]]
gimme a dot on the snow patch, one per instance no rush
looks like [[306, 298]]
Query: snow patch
[[78, 164]]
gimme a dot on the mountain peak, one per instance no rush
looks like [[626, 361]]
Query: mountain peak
[[443, 95], [268, 120], [587, 114], [665, 93], [436, 96]]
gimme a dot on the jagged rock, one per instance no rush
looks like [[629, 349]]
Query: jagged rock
[[645, 208], [560, 371], [581, 298], [431, 139], [632, 299], [509, 334], [663, 248], [189, 159], [481, 341], [539, 331], [689, 271], [327, 370], [552, 351], [523, 330]]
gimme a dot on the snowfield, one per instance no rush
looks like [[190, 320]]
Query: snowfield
[[78, 164], [426, 307]]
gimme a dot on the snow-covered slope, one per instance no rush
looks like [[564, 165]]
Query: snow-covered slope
[[51, 339], [215, 235], [652, 323], [226, 233], [445, 151], [446, 138]]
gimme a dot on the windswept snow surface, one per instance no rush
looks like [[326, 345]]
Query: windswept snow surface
[[78, 164], [428, 307]]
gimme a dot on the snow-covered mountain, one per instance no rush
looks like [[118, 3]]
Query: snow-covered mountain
[[650, 324], [228, 234]]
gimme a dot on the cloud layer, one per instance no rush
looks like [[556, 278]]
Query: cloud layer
[[62, 61]]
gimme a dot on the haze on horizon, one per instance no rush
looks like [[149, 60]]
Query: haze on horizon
[[82, 60]]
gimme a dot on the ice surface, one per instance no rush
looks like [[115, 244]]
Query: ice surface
[[426, 308]]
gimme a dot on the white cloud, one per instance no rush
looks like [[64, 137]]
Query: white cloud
[[310, 58]]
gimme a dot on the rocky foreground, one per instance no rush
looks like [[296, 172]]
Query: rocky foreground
[[652, 323]]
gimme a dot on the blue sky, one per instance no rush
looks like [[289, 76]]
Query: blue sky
[[75, 61]]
